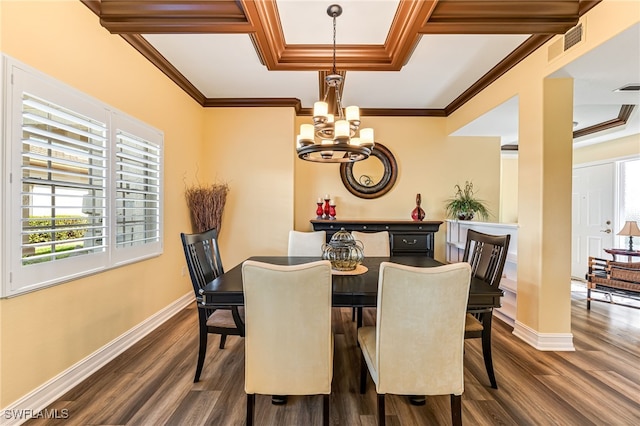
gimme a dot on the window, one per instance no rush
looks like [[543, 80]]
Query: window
[[82, 185], [629, 172]]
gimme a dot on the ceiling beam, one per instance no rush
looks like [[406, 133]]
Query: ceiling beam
[[260, 20], [184, 16]]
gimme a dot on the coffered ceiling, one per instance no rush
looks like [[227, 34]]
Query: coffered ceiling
[[399, 58]]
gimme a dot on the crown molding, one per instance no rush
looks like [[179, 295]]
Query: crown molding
[[620, 120]]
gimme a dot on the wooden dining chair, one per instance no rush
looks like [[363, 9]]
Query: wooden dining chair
[[204, 264], [288, 340], [376, 244], [487, 255], [417, 344]]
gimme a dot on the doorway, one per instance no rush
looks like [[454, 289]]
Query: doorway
[[592, 214], [604, 196]]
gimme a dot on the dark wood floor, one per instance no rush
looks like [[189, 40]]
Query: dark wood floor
[[151, 383]]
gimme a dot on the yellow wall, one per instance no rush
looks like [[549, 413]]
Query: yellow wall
[[45, 332], [536, 170], [252, 150], [618, 148], [509, 188], [613, 149], [429, 163]]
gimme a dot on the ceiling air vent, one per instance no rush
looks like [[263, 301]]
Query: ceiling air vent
[[509, 147], [634, 87], [573, 37]]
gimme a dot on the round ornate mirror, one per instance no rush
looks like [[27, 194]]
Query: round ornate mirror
[[373, 177]]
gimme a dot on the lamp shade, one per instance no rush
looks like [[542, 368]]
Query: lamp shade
[[630, 229]]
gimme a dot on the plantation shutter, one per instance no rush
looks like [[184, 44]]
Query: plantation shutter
[[63, 177], [137, 191], [82, 188]]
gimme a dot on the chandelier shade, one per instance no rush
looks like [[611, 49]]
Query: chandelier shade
[[334, 137]]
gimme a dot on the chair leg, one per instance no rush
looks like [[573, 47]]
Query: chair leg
[[325, 409], [223, 339], [353, 314], [363, 374], [588, 299], [486, 348], [202, 352], [381, 416], [456, 410], [251, 399]]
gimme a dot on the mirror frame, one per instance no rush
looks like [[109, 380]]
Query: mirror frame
[[389, 176]]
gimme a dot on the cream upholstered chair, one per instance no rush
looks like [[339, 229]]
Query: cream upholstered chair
[[306, 243], [416, 347], [288, 339], [487, 255], [376, 244], [302, 244]]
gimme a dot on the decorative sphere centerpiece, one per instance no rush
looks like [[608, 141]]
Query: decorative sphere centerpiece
[[343, 251]]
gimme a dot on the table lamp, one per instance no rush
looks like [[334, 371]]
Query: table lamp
[[631, 230]]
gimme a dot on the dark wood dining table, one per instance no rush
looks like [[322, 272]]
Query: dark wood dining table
[[350, 290], [357, 291]]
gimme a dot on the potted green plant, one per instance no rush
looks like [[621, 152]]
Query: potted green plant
[[464, 205]]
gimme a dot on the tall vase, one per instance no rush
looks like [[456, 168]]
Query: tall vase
[[418, 214]]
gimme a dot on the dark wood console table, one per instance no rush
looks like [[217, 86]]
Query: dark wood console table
[[408, 238], [623, 252]]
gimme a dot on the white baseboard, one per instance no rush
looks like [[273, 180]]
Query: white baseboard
[[544, 341], [504, 317], [36, 401]]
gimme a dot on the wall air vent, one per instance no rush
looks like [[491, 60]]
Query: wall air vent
[[573, 37], [633, 87], [569, 39]]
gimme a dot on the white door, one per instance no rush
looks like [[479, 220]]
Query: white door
[[592, 215]]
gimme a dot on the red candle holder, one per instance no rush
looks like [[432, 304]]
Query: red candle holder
[[326, 208], [332, 211], [319, 211]]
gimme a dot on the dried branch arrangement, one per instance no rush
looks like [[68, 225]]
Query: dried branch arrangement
[[206, 203]]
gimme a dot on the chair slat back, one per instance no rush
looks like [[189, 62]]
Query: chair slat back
[[486, 254], [203, 258]]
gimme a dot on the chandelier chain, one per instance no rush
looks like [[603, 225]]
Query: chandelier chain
[[337, 87], [334, 44]]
